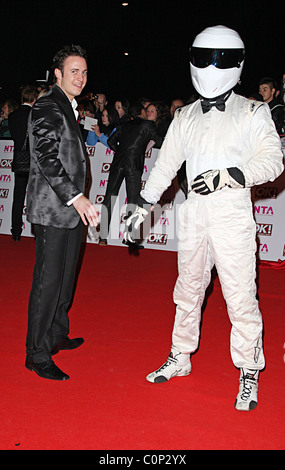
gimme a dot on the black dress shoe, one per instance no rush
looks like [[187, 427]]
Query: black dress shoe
[[16, 238], [66, 344], [46, 370], [133, 245]]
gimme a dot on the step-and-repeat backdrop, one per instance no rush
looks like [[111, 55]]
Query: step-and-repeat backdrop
[[159, 230]]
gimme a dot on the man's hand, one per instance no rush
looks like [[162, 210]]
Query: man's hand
[[212, 180], [86, 210], [133, 223]]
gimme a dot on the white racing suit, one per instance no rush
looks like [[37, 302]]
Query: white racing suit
[[218, 229]]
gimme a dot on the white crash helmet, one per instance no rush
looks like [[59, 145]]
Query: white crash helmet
[[216, 61]]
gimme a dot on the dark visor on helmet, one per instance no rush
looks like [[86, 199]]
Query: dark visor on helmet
[[221, 58]]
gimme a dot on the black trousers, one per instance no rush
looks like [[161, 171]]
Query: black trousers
[[20, 185], [57, 252], [133, 187]]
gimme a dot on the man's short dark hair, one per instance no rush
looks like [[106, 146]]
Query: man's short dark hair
[[268, 81], [135, 109], [63, 54]]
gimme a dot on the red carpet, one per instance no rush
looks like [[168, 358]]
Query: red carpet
[[123, 308]]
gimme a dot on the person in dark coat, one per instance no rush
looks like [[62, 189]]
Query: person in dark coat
[[129, 142], [268, 89], [18, 125]]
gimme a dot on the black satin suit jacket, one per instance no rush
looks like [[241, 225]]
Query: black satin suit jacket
[[130, 141], [58, 161]]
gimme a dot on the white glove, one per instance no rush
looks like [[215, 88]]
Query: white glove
[[133, 223], [212, 180]]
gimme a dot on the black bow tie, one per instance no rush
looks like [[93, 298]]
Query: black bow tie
[[207, 105], [220, 103]]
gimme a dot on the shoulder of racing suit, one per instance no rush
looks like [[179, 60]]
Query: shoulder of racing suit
[[186, 110], [253, 106]]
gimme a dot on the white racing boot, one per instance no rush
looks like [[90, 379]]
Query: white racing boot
[[177, 365], [246, 399]]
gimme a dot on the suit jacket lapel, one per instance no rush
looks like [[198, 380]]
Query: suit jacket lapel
[[66, 105]]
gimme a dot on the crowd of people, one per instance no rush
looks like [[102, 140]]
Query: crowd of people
[[110, 115], [161, 113]]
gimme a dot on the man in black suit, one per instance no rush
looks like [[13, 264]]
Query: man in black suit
[[18, 123], [58, 209], [129, 142]]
